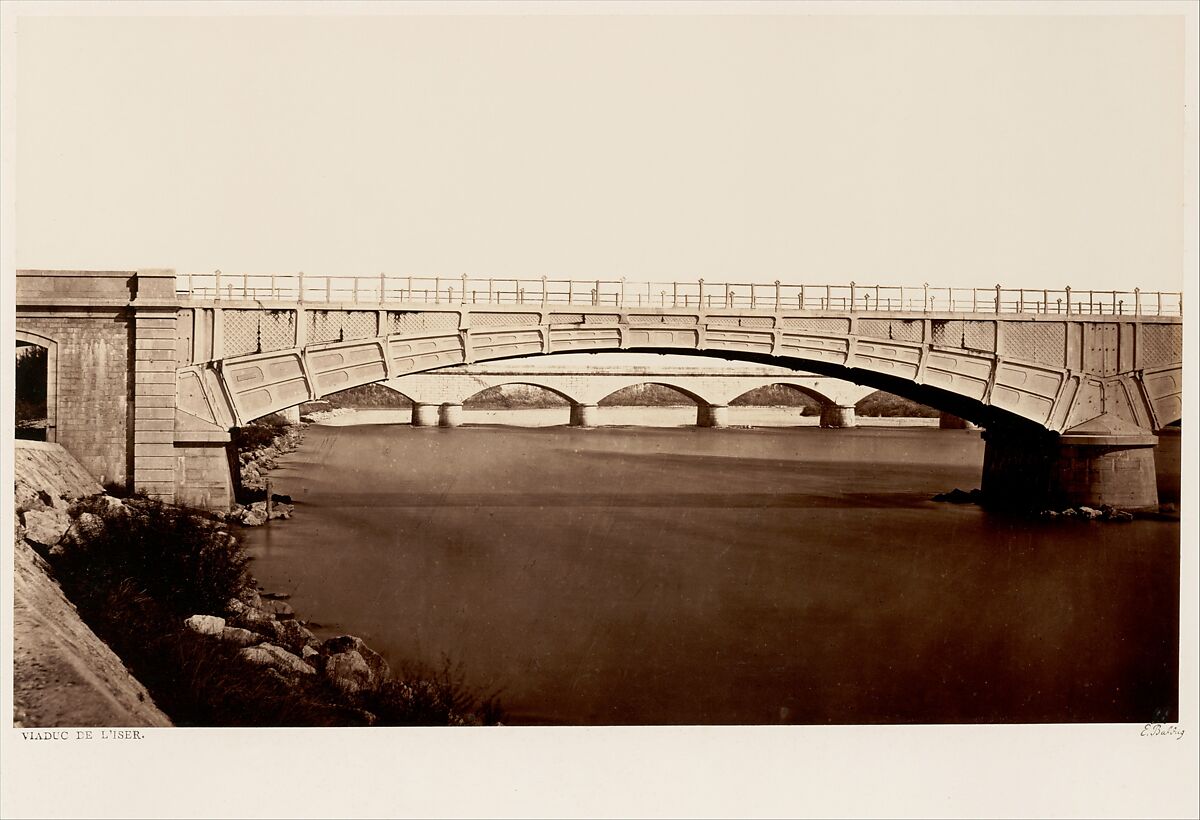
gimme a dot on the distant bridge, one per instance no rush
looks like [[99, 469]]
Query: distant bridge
[[150, 370], [438, 395]]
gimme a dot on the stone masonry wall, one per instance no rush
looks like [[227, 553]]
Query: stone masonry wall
[[94, 384]]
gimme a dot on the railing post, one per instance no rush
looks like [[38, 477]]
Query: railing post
[[274, 289], [700, 298], [674, 294], [1021, 301], [776, 295], [596, 294], [545, 296], [464, 288], [997, 298], [828, 297], [382, 288], [218, 284], [925, 290], [1068, 289], [300, 286], [802, 297], [877, 297], [328, 288], [437, 289], [356, 290], [489, 290], [410, 296], [728, 304], [1045, 301], [1137, 301], [851, 295], [621, 298]]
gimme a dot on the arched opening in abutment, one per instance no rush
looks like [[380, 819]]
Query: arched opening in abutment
[[35, 388]]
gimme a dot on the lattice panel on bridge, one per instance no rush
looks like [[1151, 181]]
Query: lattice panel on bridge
[[815, 325], [661, 319], [1161, 344], [601, 318], [740, 321], [901, 330], [566, 318], [240, 328], [412, 323], [979, 336], [971, 335], [479, 320], [277, 329], [1041, 342], [359, 324], [324, 326]]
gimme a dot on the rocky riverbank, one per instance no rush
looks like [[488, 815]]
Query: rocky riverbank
[[168, 590], [259, 446]]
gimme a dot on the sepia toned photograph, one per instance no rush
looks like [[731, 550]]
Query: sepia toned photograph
[[612, 385]]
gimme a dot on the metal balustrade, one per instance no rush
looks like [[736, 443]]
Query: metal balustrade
[[623, 294]]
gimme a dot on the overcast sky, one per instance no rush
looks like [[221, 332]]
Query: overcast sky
[[1031, 151]]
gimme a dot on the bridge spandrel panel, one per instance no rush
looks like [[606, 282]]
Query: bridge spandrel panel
[[816, 324], [1040, 342], [407, 323], [1162, 344]]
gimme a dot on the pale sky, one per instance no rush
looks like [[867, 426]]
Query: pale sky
[[1030, 151]]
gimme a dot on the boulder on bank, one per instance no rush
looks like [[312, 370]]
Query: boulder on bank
[[295, 636], [46, 527], [349, 672], [240, 637], [344, 644], [276, 657], [205, 624]]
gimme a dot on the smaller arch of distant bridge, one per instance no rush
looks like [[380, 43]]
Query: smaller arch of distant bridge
[[558, 391], [701, 401], [806, 390]]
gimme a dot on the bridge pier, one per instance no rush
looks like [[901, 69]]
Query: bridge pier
[[291, 414], [712, 415], [1103, 461], [583, 415], [450, 415], [424, 415], [833, 416]]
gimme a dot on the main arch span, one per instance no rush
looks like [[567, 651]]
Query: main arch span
[[1070, 387]]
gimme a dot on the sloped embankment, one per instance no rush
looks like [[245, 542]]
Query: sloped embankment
[[63, 675]]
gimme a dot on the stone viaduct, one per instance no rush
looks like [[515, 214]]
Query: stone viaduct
[[438, 395], [149, 371]]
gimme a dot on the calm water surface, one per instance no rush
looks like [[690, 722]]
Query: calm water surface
[[649, 576]]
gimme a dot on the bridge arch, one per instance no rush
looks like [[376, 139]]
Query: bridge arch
[[556, 390], [694, 395]]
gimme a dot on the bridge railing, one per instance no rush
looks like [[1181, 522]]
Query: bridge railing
[[623, 294]]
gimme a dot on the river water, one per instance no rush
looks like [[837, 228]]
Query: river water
[[636, 575]]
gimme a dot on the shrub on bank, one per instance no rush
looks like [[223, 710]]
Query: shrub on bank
[[137, 570]]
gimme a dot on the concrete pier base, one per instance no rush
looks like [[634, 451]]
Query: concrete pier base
[[834, 416], [583, 415], [712, 415], [1103, 461], [425, 415], [450, 415], [291, 414]]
